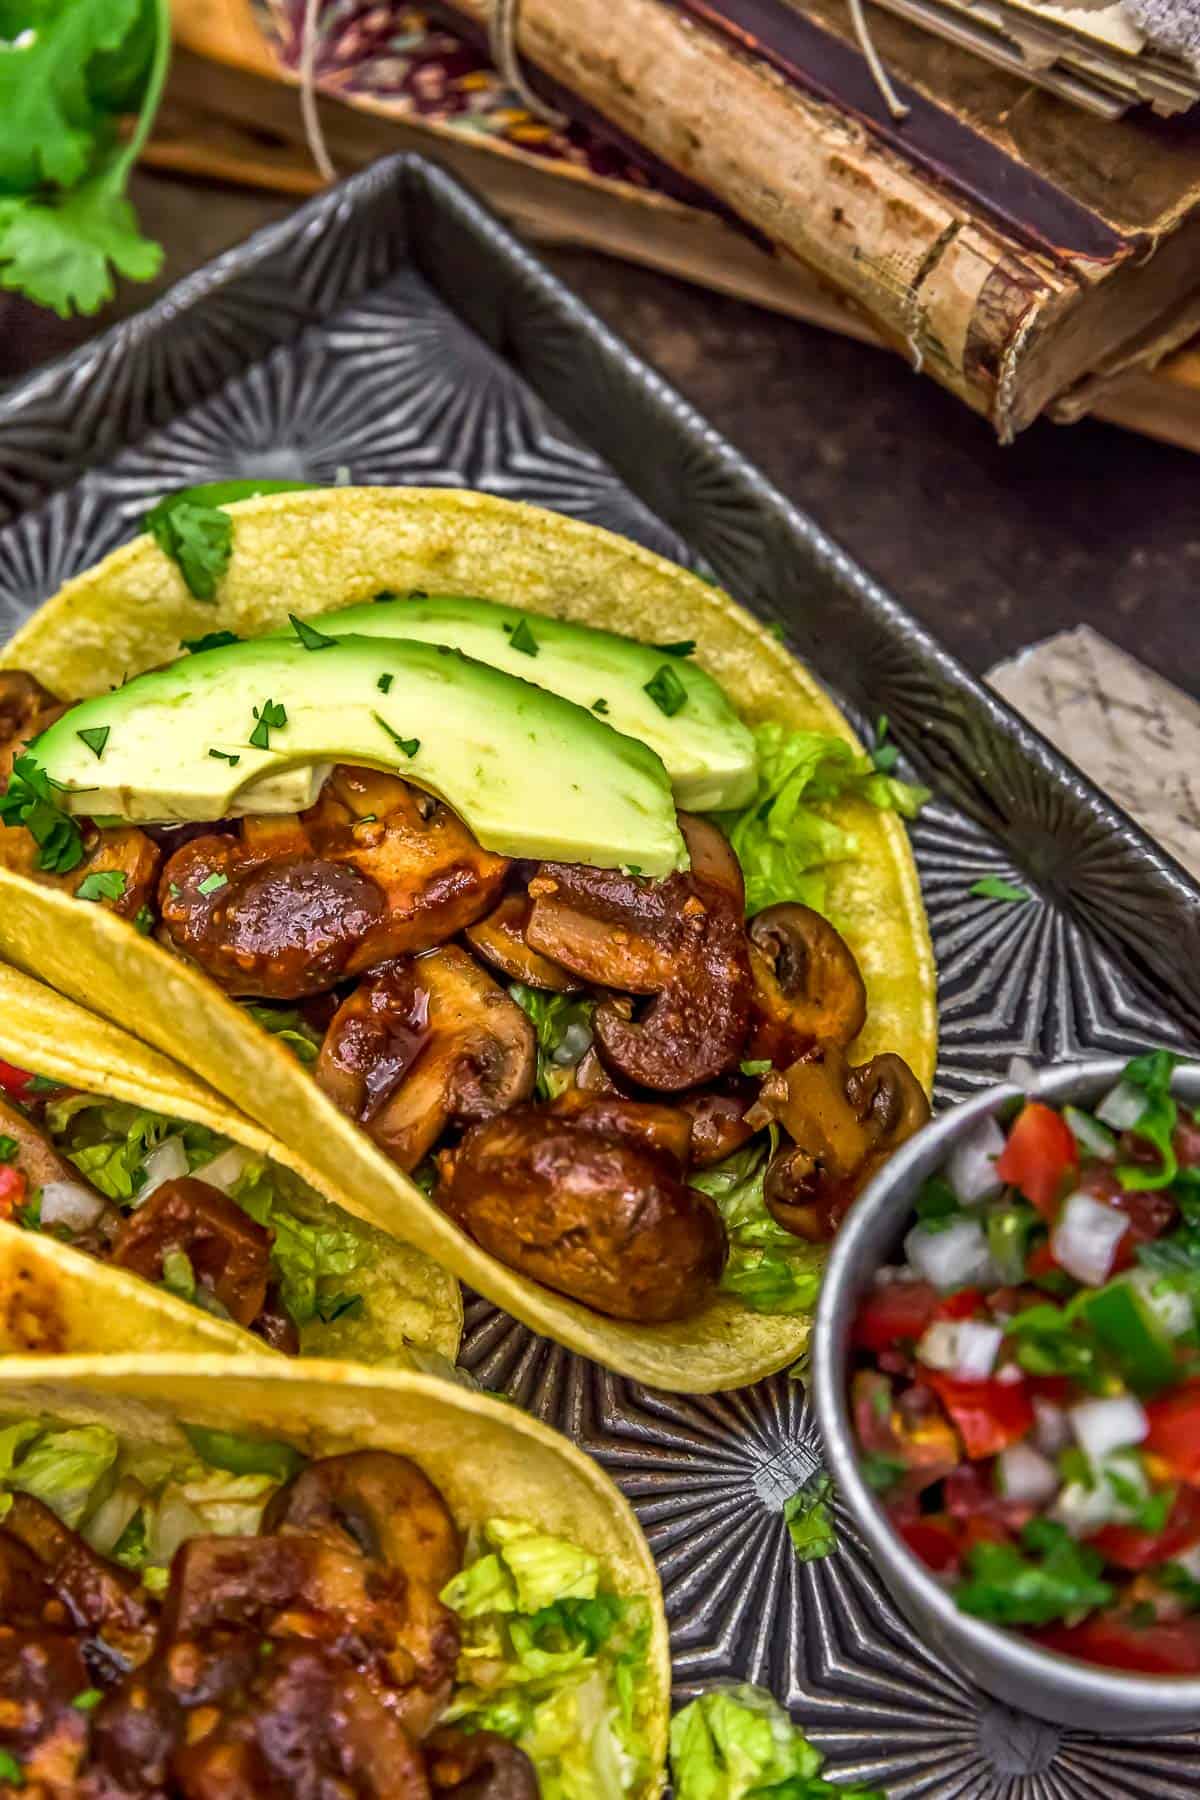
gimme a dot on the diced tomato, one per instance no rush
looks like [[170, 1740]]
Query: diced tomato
[[1042, 1269], [970, 1493], [982, 1529], [932, 1539], [14, 1081], [962, 1305], [989, 1415], [1174, 1432], [1049, 1387], [13, 1188], [1108, 1638], [1186, 1143], [893, 1314], [1130, 1548], [1151, 1213], [1040, 1157]]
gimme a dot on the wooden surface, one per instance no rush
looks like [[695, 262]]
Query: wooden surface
[[992, 548]]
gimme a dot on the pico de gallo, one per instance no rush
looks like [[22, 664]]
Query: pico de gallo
[[1025, 1385]]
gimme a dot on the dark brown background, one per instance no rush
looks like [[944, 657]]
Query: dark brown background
[[993, 548]]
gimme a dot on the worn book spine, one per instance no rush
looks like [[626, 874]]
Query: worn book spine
[[981, 269]]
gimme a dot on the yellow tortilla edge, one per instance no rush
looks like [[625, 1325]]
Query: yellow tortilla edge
[[311, 552], [488, 1458]]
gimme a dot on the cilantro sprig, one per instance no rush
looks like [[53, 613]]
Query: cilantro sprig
[[1049, 1577], [31, 800]]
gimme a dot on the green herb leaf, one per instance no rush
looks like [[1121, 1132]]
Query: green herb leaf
[[881, 1472], [809, 1519], [88, 1699], [523, 639], [95, 737], [243, 1455], [994, 887], [102, 884], [1050, 1577], [144, 920], [226, 756], [197, 538], [212, 640], [599, 706], [178, 1275], [309, 636], [11, 1770], [937, 1204], [410, 746], [212, 883], [384, 684], [289, 1026], [9, 1149], [683, 647], [338, 1306], [666, 690], [759, 1065], [29, 800]]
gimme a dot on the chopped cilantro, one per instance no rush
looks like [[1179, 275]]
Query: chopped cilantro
[[410, 746], [809, 1519], [95, 737], [600, 706], [994, 887], [271, 716], [683, 647], [8, 1149], [42, 1084], [11, 1770], [102, 884], [884, 755], [758, 1065], [338, 1306], [29, 800], [144, 921], [523, 639], [87, 1699], [309, 636], [212, 640], [667, 691], [936, 1204], [197, 537], [384, 684], [228, 756], [212, 882], [1049, 1577]]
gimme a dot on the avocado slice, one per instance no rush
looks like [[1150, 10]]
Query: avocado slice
[[708, 752], [530, 773]]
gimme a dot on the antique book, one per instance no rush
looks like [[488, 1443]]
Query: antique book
[[1027, 255]]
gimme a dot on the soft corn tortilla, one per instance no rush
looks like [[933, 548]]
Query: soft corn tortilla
[[307, 553], [488, 1459], [57, 1299]]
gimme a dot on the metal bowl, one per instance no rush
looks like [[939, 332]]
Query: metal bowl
[[1000, 1661]]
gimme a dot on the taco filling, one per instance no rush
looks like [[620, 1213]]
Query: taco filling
[[179, 1204], [241, 1621], [612, 1039]]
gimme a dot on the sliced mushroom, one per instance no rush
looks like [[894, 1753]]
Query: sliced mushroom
[[681, 940], [844, 1123], [478, 1057], [807, 985], [587, 1212], [383, 1502], [435, 877], [95, 1595], [230, 1253], [282, 928], [665, 1128], [373, 1039], [500, 940], [719, 1123], [120, 851]]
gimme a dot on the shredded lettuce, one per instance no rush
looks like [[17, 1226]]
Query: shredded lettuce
[[552, 1660], [109, 1140], [64, 1469], [303, 1255], [289, 1026], [563, 1024], [769, 1269], [737, 1741], [783, 840]]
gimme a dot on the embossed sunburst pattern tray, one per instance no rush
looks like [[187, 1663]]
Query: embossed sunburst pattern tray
[[392, 331]]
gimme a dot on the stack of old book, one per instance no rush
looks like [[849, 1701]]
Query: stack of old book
[[1029, 236]]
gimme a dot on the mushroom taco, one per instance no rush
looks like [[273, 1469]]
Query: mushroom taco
[[232, 1577], [613, 994], [139, 1210]]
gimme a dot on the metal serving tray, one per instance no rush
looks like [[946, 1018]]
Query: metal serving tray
[[393, 331]]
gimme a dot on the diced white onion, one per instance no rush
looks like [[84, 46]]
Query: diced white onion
[[1084, 1240], [70, 1204], [1091, 1138], [168, 1163], [1122, 1106], [1172, 1309], [971, 1168], [223, 1171], [1026, 1476], [1102, 1426], [1009, 1374], [1190, 1560], [955, 1257], [978, 1348], [1051, 1426], [1084, 1508]]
